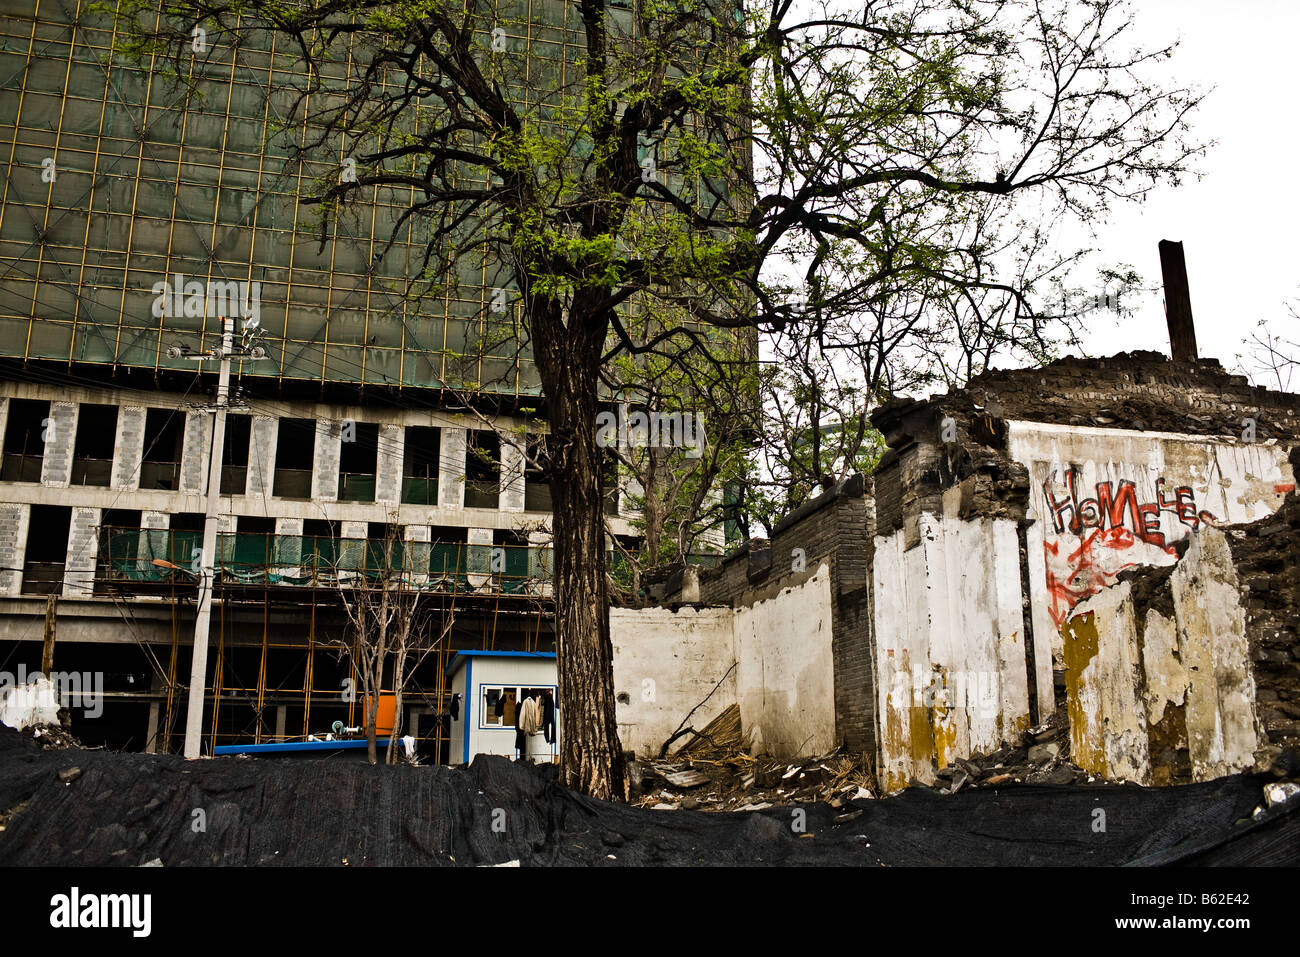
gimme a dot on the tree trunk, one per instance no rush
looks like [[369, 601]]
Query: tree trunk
[[372, 712], [591, 758]]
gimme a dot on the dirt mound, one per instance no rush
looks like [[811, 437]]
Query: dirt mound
[[129, 809]]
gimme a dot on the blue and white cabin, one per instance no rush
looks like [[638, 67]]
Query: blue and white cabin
[[491, 684]]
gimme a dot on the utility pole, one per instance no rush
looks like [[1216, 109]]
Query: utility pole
[[207, 560]]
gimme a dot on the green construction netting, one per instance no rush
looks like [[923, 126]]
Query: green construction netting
[[155, 555]]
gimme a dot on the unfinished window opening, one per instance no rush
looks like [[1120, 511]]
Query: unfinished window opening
[[251, 549], [185, 543], [119, 546], [295, 452], [92, 452], [482, 469], [320, 544], [537, 476], [47, 549], [24, 447], [420, 457], [510, 560], [234, 454], [447, 551], [164, 438], [384, 548], [358, 459]]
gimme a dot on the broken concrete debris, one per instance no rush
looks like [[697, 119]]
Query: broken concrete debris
[[720, 779], [739, 782], [52, 737], [1275, 794]]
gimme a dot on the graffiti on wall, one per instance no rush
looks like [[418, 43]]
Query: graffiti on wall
[[1092, 539]]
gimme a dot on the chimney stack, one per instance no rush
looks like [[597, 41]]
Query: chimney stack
[[1178, 302]]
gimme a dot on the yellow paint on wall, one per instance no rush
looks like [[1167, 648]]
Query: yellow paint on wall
[[1079, 635]]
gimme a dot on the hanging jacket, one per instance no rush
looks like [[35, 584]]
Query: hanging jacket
[[530, 720], [548, 717]]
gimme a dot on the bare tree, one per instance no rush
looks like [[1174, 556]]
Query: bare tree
[[390, 630], [1272, 357]]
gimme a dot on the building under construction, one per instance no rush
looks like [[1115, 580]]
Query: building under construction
[[360, 417]]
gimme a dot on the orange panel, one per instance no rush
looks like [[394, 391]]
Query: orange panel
[[384, 718]]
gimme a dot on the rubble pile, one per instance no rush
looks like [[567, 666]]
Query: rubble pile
[[739, 782], [51, 737], [1041, 756], [708, 777], [714, 771]]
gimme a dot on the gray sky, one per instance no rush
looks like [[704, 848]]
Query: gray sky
[[1239, 223]]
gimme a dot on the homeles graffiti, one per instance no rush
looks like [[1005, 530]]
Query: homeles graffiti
[[654, 429], [71, 688], [1110, 509], [224, 298], [1091, 540]]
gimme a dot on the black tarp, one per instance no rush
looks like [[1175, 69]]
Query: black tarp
[[128, 809]]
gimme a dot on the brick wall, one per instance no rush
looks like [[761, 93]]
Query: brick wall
[[325, 470], [79, 567], [388, 464], [263, 438], [1268, 569], [195, 451], [13, 546]]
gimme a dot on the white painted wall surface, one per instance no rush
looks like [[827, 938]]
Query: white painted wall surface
[[666, 662], [950, 663], [1195, 668], [785, 680]]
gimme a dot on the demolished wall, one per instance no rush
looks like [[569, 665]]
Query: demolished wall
[[668, 663], [1191, 672], [772, 657], [1031, 491], [1267, 559], [998, 512], [1105, 499], [834, 528]]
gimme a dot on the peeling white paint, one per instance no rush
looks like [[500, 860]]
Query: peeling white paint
[[1194, 670], [785, 675], [1166, 678], [950, 661], [1222, 731]]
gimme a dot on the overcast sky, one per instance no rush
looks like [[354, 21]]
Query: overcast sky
[[1239, 223]]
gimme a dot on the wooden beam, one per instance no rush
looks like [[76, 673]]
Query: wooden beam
[[1178, 302], [47, 649]]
